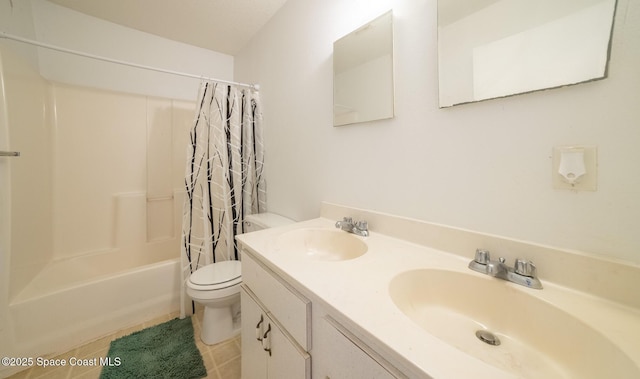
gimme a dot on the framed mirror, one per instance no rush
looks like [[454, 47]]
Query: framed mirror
[[496, 48], [363, 73]]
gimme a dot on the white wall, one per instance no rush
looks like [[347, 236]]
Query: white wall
[[483, 166]]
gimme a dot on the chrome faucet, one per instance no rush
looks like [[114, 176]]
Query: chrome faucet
[[360, 228], [523, 272]]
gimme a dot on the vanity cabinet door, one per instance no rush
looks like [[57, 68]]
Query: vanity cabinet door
[[267, 350], [287, 359], [254, 359]]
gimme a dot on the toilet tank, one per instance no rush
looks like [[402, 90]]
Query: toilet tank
[[261, 221]]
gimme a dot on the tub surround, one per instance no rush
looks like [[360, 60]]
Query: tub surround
[[75, 299], [81, 311], [355, 292], [77, 252]]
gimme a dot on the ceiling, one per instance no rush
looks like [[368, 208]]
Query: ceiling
[[224, 26]]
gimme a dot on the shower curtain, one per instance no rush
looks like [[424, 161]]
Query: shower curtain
[[224, 177]]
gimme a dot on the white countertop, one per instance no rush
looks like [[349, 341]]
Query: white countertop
[[359, 290]]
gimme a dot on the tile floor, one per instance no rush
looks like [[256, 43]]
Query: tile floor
[[221, 360]]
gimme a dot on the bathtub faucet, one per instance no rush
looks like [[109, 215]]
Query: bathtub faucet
[[523, 272], [360, 228]]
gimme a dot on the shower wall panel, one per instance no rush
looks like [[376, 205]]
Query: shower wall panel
[[100, 140], [116, 168], [99, 170], [27, 115]]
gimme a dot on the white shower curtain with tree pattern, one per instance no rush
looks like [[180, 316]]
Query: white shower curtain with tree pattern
[[224, 176]]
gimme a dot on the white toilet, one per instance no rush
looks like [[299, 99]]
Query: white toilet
[[217, 287]]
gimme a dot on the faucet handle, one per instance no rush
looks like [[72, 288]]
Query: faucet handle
[[482, 256], [525, 268], [362, 225]]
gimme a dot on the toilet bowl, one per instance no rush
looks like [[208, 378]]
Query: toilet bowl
[[217, 287]]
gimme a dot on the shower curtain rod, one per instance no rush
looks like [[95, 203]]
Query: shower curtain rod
[[144, 67]]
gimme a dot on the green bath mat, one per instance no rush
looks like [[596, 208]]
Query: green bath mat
[[163, 351]]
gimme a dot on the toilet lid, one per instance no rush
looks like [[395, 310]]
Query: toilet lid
[[218, 275]]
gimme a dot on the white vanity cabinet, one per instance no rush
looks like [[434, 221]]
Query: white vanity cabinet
[[277, 329], [275, 326]]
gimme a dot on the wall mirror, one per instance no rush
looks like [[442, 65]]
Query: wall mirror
[[363, 73], [497, 48]]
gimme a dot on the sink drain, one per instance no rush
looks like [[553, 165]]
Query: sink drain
[[488, 337]]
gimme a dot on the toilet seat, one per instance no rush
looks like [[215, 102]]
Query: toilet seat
[[216, 277]]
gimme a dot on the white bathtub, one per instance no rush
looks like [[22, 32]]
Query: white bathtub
[[76, 300]]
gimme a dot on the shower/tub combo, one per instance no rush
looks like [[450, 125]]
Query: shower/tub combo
[[92, 238], [96, 208]]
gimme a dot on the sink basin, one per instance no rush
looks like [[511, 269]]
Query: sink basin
[[537, 339], [322, 244]]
